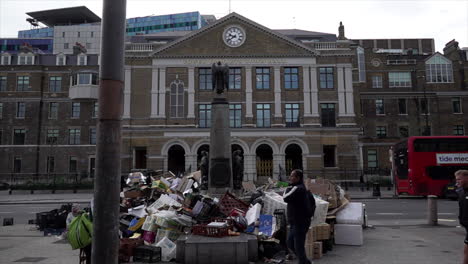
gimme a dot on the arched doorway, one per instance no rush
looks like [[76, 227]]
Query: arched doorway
[[293, 157], [176, 159], [264, 161], [204, 147]]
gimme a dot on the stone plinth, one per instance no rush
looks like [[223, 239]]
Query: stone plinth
[[211, 250]]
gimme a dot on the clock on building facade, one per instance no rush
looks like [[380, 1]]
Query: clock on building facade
[[234, 36]]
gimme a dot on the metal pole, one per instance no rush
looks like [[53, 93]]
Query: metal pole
[[108, 162], [432, 210]]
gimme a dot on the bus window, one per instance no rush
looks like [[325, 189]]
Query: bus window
[[443, 172], [440, 144]]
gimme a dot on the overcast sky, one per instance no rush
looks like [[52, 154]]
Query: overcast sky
[[442, 20]]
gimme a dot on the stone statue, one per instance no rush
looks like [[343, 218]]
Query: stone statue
[[220, 77], [204, 166], [237, 169]]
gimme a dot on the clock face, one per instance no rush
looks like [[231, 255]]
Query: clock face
[[234, 36]]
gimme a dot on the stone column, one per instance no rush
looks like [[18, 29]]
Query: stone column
[[250, 170], [248, 92], [127, 92], [154, 93], [306, 90], [349, 91], [314, 92], [162, 93], [190, 162], [277, 90], [277, 160], [220, 169], [191, 93], [341, 93]]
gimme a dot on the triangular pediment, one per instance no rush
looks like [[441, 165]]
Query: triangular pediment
[[211, 41]]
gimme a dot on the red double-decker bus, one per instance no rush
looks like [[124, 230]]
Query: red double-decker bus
[[425, 165]]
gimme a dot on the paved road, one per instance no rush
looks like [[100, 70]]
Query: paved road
[[24, 212]]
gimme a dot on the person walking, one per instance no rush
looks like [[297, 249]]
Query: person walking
[[461, 177], [299, 214]]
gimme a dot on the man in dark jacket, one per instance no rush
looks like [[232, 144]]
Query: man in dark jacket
[[298, 215], [462, 182]]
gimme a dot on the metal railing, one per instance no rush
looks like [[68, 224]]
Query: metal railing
[[141, 47], [45, 178]]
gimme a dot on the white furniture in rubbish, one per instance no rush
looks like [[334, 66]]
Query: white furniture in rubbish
[[346, 234], [352, 214]]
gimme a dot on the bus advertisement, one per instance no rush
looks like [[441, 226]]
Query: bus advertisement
[[424, 165]]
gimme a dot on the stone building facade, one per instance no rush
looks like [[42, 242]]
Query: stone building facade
[[298, 99]]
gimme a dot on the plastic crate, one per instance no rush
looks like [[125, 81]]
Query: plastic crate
[[127, 247], [204, 230], [147, 254], [229, 202]]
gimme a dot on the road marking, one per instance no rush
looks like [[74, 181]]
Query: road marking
[[390, 213], [446, 220], [446, 213], [6, 212]]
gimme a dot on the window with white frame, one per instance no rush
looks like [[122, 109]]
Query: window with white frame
[[60, 60], [94, 113], [235, 78], [381, 131], [85, 79], [177, 98], [22, 83], [52, 136], [55, 84], [53, 110], [235, 115], [456, 105], [204, 115], [6, 59], [361, 64], [439, 69], [82, 59], [326, 77], [92, 136], [458, 130], [204, 79], [291, 78], [399, 79], [262, 78], [74, 135], [20, 109], [75, 112], [379, 107], [3, 83], [372, 161], [376, 81], [26, 59]]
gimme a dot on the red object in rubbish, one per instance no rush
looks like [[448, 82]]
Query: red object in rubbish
[[229, 202], [204, 230], [237, 212], [127, 245], [149, 236]]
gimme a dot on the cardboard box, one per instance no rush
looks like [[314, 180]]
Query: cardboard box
[[309, 248], [322, 231], [325, 189], [348, 234], [318, 250], [310, 237]]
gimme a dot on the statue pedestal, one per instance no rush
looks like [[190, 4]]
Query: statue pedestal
[[220, 171]]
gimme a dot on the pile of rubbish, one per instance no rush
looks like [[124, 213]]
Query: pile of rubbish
[[157, 210]]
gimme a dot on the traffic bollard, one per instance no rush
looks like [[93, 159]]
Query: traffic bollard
[[432, 210]]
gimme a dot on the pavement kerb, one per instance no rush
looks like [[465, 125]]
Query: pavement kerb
[[43, 202]]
